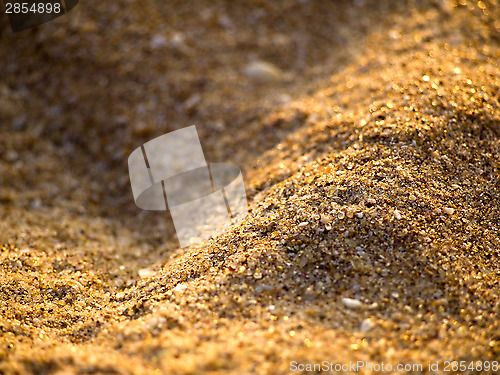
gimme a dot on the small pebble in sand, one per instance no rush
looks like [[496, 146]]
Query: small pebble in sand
[[325, 219], [397, 215], [158, 41], [366, 325], [120, 295], [303, 224], [263, 72], [180, 288], [352, 303], [341, 215], [145, 272], [448, 210], [36, 204]]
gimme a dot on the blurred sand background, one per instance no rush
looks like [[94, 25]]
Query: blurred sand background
[[371, 159]]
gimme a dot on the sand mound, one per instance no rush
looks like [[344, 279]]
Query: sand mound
[[372, 166]]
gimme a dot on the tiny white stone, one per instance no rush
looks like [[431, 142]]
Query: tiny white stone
[[366, 325], [303, 224], [36, 204], [120, 295], [373, 306], [284, 99], [192, 101], [158, 41], [352, 303], [145, 272], [263, 72], [180, 288], [177, 41], [397, 215], [448, 210]]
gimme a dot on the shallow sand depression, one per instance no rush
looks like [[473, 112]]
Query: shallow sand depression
[[369, 144]]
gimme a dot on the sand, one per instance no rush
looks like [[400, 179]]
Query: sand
[[370, 151]]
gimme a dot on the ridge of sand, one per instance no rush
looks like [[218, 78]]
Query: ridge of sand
[[374, 191]]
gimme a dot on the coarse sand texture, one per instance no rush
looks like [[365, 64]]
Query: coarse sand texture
[[368, 135]]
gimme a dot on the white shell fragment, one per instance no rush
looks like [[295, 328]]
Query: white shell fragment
[[352, 303], [145, 272], [180, 288], [263, 72], [448, 210], [366, 325]]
